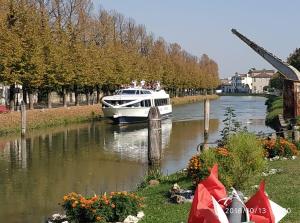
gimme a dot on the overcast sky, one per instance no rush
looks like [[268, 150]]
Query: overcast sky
[[203, 26]]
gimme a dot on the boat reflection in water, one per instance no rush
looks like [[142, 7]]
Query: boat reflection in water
[[131, 142]]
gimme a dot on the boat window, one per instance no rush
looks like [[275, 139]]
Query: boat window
[[146, 103], [161, 102], [145, 92], [117, 102], [138, 104], [128, 92]]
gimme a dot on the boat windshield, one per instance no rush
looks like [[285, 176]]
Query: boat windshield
[[128, 92]]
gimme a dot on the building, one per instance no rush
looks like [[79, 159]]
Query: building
[[255, 81], [226, 86], [241, 83], [260, 82]]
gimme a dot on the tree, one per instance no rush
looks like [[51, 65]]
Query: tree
[[276, 82], [294, 59]]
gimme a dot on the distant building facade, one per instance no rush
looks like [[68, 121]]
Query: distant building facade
[[260, 80], [241, 83], [252, 82]]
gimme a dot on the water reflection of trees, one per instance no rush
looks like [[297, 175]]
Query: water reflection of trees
[[84, 158], [37, 171]]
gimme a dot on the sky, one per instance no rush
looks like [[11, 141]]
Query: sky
[[204, 26]]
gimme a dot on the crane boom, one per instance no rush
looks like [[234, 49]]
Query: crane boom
[[284, 68]]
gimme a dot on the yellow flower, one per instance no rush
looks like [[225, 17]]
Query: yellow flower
[[98, 218]]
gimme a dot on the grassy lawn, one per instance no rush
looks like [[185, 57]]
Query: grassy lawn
[[158, 208], [283, 188]]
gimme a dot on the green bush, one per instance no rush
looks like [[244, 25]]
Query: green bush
[[246, 160], [240, 162]]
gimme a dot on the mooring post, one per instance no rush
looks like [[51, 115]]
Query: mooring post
[[23, 119], [206, 117], [296, 135], [154, 136]]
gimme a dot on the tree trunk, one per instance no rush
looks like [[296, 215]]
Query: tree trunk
[[30, 94], [88, 98], [76, 95], [64, 92], [98, 94], [25, 96], [49, 100], [93, 98], [12, 97], [71, 97]]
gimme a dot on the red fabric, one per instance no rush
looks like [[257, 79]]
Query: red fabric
[[3, 109], [213, 185], [259, 207], [202, 210]]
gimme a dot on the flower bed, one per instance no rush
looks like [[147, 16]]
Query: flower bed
[[113, 208], [279, 147]]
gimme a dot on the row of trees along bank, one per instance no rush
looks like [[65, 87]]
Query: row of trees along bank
[[64, 46]]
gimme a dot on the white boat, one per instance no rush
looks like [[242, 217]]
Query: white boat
[[132, 105]]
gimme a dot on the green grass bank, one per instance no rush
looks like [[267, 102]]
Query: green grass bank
[[274, 108], [282, 188]]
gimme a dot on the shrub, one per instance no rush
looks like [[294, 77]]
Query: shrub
[[113, 208], [279, 147], [239, 161], [246, 159]]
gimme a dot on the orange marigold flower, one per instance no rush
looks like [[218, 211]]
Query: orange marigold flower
[[98, 218], [66, 197], [74, 205]]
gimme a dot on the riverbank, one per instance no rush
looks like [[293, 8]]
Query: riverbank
[[243, 94], [274, 108], [44, 118], [157, 209], [192, 99]]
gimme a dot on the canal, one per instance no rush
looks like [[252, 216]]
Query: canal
[[99, 157]]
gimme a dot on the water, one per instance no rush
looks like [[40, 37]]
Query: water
[[99, 157]]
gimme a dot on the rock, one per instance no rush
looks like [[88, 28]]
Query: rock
[[178, 199], [140, 214], [175, 188], [271, 172], [131, 219], [153, 183], [57, 218]]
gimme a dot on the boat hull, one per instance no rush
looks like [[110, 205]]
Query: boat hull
[[134, 115]]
